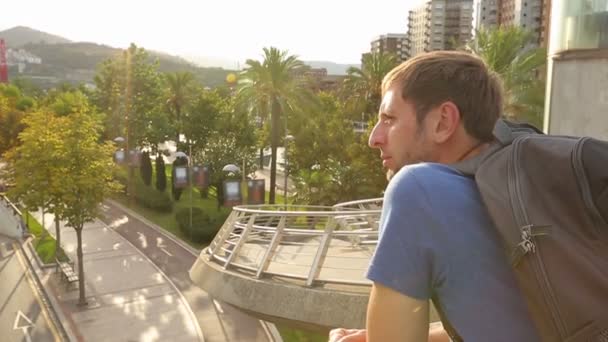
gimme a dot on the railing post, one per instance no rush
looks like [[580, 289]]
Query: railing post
[[274, 243], [241, 240], [322, 251], [224, 232]]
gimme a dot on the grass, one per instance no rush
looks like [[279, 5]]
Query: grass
[[294, 335], [43, 243]]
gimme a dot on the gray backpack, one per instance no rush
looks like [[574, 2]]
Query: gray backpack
[[548, 198]]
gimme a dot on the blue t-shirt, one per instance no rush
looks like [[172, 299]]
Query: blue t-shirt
[[437, 238]]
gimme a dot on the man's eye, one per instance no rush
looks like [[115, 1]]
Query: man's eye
[[387, 120]]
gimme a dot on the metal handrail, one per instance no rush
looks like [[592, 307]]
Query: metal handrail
[[307, 243]]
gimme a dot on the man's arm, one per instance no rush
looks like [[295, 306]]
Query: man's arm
[[436, 334], [393, 316]]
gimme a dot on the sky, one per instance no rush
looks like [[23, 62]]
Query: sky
[[331, 30]]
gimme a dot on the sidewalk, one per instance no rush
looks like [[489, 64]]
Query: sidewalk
[[129, 298], [265, 174]]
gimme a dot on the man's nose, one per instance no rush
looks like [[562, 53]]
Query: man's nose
[[376, 137]]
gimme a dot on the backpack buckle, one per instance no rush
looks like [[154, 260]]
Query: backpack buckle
[[527, 245]]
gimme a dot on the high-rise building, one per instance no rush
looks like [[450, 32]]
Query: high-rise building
[[545, 23], [486, 13], [391, 43], [417, 30], [506, 12], [439, 25], [531, 15]]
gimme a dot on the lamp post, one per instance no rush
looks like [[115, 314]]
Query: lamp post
[[231, 168], [126, 158], [288, 138], [180, 154]]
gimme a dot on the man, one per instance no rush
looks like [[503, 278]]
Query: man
[[436, 239]]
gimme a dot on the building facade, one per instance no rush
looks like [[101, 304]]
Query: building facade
[[440, 25], [533, 15], [577, 83], [417, 30], [391, 43], [487, 13]]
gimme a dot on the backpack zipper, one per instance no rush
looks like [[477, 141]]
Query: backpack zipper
[[583, 182], [528, 245]]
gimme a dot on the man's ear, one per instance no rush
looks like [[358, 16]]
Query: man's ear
[[447, 121]]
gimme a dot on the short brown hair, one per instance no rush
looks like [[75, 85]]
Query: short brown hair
[[430, 79]]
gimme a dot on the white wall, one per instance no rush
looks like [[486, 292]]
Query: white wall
[[578, 103]]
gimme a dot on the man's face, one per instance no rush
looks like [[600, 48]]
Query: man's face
[[397, 134]]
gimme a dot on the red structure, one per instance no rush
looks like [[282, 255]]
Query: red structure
[[3, 66]]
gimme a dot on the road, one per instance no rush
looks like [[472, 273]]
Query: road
[[219, 322], [21, 315]]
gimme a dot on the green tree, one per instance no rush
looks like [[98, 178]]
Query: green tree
[[38, 165], [330, 161], [362, 87], [202, 117], [13, 107], [145, 168], [511, 53], [161, 176], [129, 91], [271, 85], [88, 178], [62, 164], [179, 93]]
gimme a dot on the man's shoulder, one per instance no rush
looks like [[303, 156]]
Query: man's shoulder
[[425, 174]]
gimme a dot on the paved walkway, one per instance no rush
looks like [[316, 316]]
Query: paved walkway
[[219, 321], [130, 299]]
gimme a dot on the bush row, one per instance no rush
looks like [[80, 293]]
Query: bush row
[[204, 227]]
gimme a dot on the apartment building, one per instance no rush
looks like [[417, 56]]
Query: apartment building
[[391, 43], [487, 13], [439, 25], [533, 15]]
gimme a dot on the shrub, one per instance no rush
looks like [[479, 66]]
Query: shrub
[[120, 175], [204, 227], [151, 198], [161, 176], [146, 168]]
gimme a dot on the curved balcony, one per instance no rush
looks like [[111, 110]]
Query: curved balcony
[[301, 265]]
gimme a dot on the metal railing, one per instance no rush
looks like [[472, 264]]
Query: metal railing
[[316, 244]]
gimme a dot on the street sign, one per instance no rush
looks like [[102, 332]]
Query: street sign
[[232, 193], [180, 177], [256, 191], [200, 176], [119, 156]]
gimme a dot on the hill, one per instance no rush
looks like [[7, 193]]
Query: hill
[[20, 35], [66, 61], [206, 61], [332, 68]]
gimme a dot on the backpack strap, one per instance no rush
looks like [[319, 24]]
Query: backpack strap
[[504, 133]]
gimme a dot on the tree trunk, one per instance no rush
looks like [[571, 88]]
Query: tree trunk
[[57, 235], [82, 301], [274, 142], [261, 158], [178, 126]]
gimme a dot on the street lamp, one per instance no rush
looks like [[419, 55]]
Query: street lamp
[[233, 193], [124, 156], [180, 154], [288, 138]]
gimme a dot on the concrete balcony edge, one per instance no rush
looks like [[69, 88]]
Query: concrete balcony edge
[[282, 302]]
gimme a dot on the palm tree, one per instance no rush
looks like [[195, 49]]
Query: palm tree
[[511, 53], [270, 85], [363, 85], [179, 94]]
